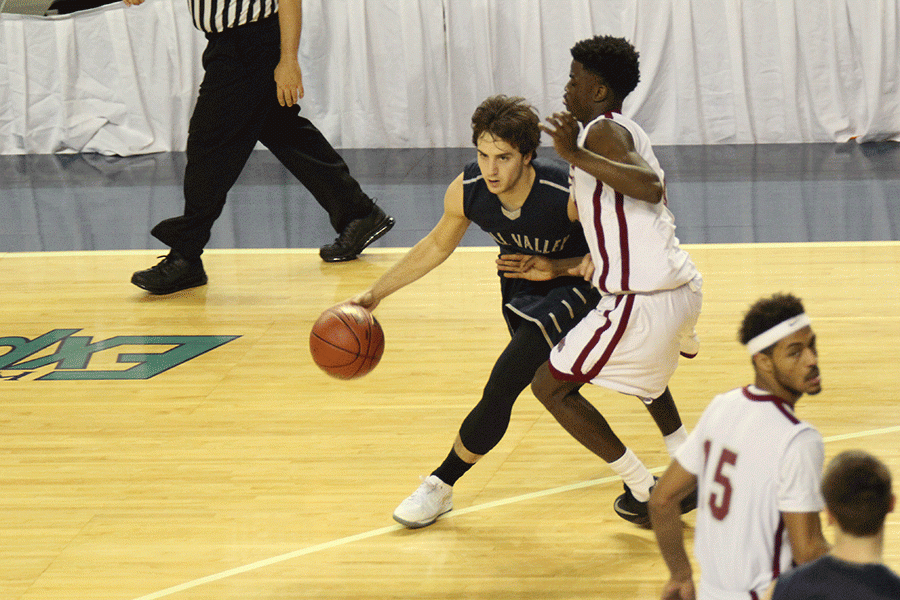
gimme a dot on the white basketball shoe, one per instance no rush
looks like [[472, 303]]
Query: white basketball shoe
[[431, 500]]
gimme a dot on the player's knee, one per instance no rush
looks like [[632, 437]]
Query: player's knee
[[546, 388]]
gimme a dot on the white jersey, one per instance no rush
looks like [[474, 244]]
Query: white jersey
[[754, 459], [632, 242]]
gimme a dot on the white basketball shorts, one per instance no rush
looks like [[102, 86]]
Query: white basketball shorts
[[631, 343]]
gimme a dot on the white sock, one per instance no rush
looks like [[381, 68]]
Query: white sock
[[675, 439], [635, 475]]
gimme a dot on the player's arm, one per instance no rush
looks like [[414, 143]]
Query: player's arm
[[430, 252], [608, 154], [572, 209], [665, 514], [288, 76], [800, 482], [540, 268], [805, 534]]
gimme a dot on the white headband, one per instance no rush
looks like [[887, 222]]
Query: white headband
[[780, 331]]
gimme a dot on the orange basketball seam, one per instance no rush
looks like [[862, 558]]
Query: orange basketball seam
[[353, 355]]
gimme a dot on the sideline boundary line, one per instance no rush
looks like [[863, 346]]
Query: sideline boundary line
[[398, 249]]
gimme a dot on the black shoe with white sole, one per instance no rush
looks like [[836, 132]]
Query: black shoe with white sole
[[634, 511], [356, 236]]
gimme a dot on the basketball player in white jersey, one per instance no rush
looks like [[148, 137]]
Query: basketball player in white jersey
[[757, 469], [651, 290]]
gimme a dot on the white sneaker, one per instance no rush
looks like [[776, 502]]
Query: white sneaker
[[431, 500]]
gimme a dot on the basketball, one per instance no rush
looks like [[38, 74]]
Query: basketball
[[346, 341]]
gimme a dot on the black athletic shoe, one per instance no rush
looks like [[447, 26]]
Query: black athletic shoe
[[634, 511], [631, 509], [172, 274], [356, 236]]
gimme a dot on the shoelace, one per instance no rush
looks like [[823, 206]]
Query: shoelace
[[350, 231], [165, 260], [425, 488]]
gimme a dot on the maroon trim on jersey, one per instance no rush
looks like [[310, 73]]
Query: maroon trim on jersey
[[754, 595], [623, 241], [623, 233], [579, 362], [779, 403], [577, 373], [776, 555], [601, 238], [617, 337], [567, 376]]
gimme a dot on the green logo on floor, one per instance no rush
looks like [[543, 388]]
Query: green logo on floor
[[72, 358]]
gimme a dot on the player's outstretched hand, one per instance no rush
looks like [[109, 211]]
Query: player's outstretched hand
[[677, 589], [366, 299], [563, 128], [526, 266]]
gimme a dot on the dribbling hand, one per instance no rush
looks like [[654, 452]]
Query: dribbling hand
[[366, 299]]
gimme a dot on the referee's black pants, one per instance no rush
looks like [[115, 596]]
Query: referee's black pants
[[237, 107]]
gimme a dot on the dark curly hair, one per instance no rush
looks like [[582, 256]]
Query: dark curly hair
[[766, 314], [511, 119], [613, 59]]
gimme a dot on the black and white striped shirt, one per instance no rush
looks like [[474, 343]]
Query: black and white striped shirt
[[213, 16]]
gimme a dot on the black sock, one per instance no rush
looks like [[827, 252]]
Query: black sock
[[452, 469]]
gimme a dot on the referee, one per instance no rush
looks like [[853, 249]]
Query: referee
[[249, 94]]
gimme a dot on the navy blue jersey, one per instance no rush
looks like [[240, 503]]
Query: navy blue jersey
[[829, 578], [540, 226]]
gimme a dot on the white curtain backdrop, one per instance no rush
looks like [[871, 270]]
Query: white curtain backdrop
[[408, 73]]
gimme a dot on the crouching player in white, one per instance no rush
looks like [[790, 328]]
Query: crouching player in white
[[756, 467]]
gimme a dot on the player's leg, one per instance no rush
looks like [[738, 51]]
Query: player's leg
[[482, 429], [665, 415], [576, 414], [585, 423], [673, 315]]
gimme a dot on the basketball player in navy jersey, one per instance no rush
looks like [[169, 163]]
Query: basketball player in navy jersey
[[522, 202]]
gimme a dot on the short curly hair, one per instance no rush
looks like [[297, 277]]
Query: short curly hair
[[766, 314], [511, 119], [613, 59]]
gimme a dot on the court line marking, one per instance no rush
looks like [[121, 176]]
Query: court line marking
[[850, 436], [392, 250], [455, 513]]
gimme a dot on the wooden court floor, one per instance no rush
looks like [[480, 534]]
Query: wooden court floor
[[186, 447]]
